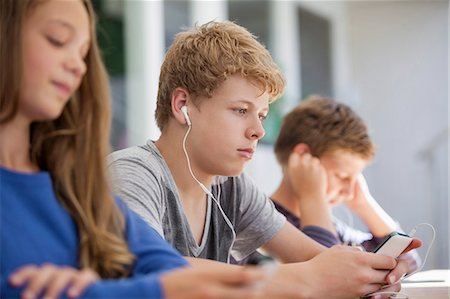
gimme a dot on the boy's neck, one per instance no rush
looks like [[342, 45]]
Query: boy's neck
[[285, 196], [170, 147], [192, 197]]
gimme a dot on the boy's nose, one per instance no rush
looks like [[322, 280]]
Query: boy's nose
[[256, 131]]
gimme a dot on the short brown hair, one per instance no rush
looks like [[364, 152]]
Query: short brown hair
[[202, 58], [325, 125]]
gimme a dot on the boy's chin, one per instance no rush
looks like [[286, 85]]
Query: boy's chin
[[232, 172]]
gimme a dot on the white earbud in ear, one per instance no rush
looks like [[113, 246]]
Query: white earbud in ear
[[186, 116]]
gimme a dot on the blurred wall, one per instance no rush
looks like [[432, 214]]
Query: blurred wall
[[399, 54], [390, 63]]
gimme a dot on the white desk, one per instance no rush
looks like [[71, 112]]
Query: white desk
[[432, 284]]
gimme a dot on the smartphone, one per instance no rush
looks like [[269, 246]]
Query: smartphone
[[394, 244]]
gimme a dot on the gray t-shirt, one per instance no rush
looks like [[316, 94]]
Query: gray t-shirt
[[141, 177]]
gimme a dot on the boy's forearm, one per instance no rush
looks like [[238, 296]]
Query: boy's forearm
[[376, 219], [282, 284], [291, 245], [199, 262]]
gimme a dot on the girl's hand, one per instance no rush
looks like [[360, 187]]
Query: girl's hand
[[52, 280]]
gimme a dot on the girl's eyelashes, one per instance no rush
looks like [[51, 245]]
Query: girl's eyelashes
[[60, 42], [57, 34], [55, 41]]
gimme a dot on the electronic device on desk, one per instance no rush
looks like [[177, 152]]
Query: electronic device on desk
[[394, 244]]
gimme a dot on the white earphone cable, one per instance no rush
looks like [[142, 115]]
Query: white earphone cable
[[228, 222], [411, 234]]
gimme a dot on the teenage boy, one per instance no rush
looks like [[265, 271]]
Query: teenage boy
[[215, 87], [323, 147]]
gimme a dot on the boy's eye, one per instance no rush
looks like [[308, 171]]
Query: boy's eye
[[242, 111], [262, 117]]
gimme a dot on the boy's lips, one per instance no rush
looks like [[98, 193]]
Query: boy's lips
[[246, 152]]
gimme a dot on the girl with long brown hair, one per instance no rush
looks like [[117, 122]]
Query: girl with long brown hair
[[62, 231]]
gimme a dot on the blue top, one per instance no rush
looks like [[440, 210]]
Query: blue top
[[35, 229]]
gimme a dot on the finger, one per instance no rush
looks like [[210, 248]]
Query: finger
[[81, 282], [294, 159], [38, 281], [382, 291], [391, 288], [378, 277], [20, 276], [355, 248], [370, 289], [357, 186], [59, 282], [314, 160], [305, 159], [380, 261], [398, 272], [362, 182], [306, 155], [416, 243]]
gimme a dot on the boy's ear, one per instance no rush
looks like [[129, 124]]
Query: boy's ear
[[180, 98], [302, 148]]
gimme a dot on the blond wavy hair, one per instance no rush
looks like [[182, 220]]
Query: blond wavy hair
[[73, 147], [325, 125], [201, 58]]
